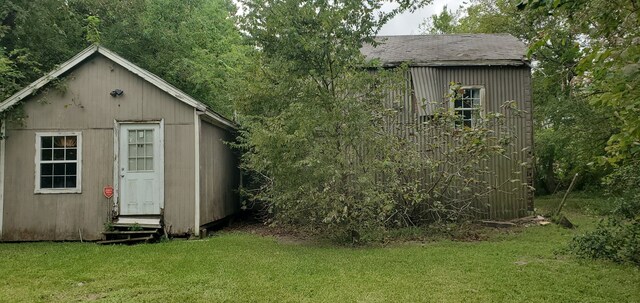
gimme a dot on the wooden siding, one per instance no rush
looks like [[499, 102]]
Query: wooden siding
[[219, 175], [501, 84], [86, 106]]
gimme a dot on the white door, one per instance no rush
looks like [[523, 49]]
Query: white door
[[141, 169]]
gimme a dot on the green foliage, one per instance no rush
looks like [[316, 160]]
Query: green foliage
[[318, 136], [613, 239], [93, 29], [571, 133], [194, 45], [443, 23], [108, 226], [607, 71], [135, 227], [616, 238], [243, 267]]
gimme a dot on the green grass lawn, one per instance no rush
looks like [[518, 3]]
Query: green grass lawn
[[241, 267]]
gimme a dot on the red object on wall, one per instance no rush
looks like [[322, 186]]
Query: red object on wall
[[107, 191]]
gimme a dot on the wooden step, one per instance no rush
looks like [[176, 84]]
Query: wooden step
[[130, 232], [131, 240], [127, 225]]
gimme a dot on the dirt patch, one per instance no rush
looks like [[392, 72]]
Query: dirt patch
[[282, 234]]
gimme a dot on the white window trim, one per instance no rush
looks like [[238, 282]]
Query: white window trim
[[78, 188], [481, 108]]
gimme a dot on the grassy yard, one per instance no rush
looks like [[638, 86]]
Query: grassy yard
[[241, 267]]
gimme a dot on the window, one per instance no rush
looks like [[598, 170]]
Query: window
[[140, 150], [468, 106], [58, 162]]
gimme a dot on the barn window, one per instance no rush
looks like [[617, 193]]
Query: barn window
[[468, 106], [58, 162]]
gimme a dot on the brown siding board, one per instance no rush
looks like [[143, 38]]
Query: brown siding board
[[179, 178], [219, 175]]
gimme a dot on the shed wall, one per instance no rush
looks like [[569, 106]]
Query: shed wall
[[501, 83], [83, 104], [219, 175]]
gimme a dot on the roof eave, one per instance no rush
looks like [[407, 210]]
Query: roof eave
[[459, 63]]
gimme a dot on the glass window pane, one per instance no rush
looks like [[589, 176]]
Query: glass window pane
[[140, 136], [466, 93], [70, 142], [457, 103], [58, 169], [140, 153], [71, 154], [70, 181], [148, 164], [141, 164], [46, 154], [149, 151], [467, 114], [58, 141], [46, 182], [46, 142], [132, 136], [132, 165], [58, 154], [46, 169], [133, 150], [58, 182], [70, 169], [148, 135]]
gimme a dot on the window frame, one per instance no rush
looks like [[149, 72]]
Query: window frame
[[78, 161], [480, 109]]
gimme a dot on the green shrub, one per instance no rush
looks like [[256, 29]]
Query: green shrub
[[617, 238], [614, 239]]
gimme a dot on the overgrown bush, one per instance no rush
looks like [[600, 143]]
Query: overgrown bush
[[616, 238], [322, 136], [337, 167]]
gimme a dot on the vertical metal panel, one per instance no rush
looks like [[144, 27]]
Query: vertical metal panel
[[219, 175], [424, 80], [501, 83], [86, 106]]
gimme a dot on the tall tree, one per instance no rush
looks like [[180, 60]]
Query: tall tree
[[312, 108]]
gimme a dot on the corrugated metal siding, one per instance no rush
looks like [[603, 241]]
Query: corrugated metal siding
[[86, 106], [424, 80], [219, 175], [510, 199]]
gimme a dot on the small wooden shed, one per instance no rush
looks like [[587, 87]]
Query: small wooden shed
[[101, 141], [492, 69]]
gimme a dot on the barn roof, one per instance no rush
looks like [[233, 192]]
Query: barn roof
[[144, 74], [448, 50]]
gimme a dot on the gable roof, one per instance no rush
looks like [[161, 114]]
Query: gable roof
[[448, 50], [144, 74]]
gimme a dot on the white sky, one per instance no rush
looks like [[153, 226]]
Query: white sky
[[408, 23]]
